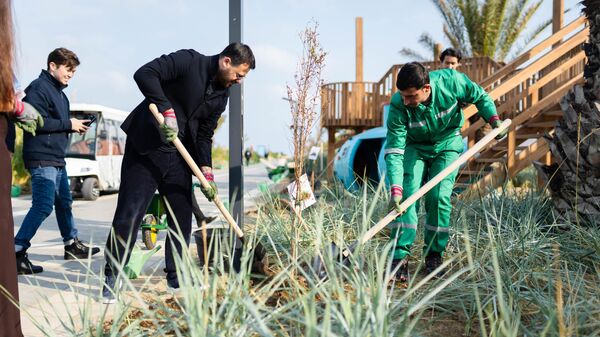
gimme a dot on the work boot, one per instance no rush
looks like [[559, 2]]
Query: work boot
[[432, 261], [77, 250], [400, 270], [24, 266], [110, 289]]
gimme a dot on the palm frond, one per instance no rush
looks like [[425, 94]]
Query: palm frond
[[487, 27], [515, 31], [464, 49], [412, 54], [454, 28], [491, 24], [427, 41], [473, 23], [518, 49]]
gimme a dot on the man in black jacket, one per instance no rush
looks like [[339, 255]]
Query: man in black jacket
[[191, 91], [44, 156]]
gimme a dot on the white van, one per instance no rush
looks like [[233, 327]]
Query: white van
[[94, 158]]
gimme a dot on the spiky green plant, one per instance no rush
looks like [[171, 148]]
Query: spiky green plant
[[489, 27], [509, 263]]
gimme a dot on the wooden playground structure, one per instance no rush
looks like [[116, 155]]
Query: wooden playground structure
[[527, 90]]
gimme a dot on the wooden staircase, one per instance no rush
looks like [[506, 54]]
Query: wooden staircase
[[527, 90]]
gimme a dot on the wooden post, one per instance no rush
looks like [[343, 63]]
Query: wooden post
[[358, 90], [512, 151], [330, 151], [437, 50], [359, 49], [558, 9]]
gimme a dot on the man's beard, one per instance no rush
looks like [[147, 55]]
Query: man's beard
[[222, 79]]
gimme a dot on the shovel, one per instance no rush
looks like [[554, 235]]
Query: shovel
[[342, 256], [216, 200]]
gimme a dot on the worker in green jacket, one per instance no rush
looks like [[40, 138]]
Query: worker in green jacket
[[423, 138]]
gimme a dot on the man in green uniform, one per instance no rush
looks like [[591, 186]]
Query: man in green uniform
[[423, 138]]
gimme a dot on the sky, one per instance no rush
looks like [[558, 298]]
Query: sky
[[113, 38]]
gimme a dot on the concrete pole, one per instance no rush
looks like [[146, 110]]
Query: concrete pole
[[236, 126]]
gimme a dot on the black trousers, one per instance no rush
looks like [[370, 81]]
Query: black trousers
[[141, 175]]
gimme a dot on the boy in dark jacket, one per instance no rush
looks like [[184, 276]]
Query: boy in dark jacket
[[191, 91], [44, 157]]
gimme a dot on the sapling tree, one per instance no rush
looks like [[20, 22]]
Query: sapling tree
[[304, 97]]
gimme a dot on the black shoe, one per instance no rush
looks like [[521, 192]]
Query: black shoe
[[400, 270], [109, 290], [24, 266], [77, 250], [432, 262], [173, 284]]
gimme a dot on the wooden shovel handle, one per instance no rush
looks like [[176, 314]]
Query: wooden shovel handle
[[434, 181], [188, 159]]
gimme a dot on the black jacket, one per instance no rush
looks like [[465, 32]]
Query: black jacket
[[182, 80], [11, 135], [50, 142]]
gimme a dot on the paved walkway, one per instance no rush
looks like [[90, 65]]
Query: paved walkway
[[67, 287]]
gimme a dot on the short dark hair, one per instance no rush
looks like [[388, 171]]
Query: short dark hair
[[63, 56], [450, 52], [412, 75], [239, 53]]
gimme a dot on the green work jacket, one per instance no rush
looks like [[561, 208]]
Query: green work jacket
[[434, 127]]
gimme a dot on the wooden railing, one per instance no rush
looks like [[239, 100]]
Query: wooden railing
[[349, 105], [476, 68], [360, 104], [528, 91]]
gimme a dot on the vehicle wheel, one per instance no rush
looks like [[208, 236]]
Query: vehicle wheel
[[90, 189], [149, 237]]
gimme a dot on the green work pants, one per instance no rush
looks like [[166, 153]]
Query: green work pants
[[421, 162]]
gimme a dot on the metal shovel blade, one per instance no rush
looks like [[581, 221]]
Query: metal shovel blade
[[336, 254], [255, 264]]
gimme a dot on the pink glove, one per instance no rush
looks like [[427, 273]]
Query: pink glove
[[169, 128], [395, 197]]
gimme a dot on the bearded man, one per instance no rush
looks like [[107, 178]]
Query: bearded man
[[191, 91]]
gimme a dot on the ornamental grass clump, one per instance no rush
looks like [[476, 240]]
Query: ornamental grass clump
[[512, 270]]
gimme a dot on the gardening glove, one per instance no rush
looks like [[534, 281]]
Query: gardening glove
[[27, 117], [210, 192], [169, 127], [495, 123], [395, 198]]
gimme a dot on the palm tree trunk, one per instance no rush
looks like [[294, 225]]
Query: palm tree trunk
[[574, 178]]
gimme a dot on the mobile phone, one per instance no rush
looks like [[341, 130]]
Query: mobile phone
[[92, 119]]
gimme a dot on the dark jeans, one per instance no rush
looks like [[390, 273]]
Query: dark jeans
[[141, 175], [49, 188]]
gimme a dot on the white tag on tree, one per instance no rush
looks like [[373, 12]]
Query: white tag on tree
[[307, 197], [314, 153]]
